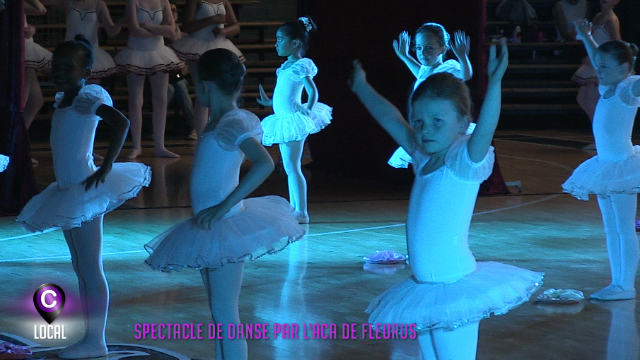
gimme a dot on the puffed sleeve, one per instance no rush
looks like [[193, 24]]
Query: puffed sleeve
[[625, 91], [235, 127], [457, 159], [90, 98], [304, 67]]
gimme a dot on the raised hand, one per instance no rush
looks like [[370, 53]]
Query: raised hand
[[263, 100], [497, 64], [461, 44], [301, 108], [358, 76], [583, 28], [401, 45]]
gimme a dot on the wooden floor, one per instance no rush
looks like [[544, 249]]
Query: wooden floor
[[321, 279]]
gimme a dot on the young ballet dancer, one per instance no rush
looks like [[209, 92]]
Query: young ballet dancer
[[294, 121], [36, 58], [432, 44], [146, 55], [226, 230], [449, 293], [606, 27], [208, 26], [84, 17], [613, 175], [82, 193]]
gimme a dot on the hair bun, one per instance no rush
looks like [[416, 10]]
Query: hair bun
[[308, 24]]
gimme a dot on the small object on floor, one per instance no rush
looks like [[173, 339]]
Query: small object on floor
[[34, 161], [517, 184], [561, 296], [590, 147], [384, 257], [614, 292], [12, 351], [302, 217], [637, 224], [192, 135]]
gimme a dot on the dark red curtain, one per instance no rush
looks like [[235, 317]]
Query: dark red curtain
[[17, 182], [364, 29]]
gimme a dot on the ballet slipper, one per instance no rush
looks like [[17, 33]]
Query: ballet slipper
[[301, 217], [13, 351], [83, 350], [135, 152], [165, 153], [614, 292]]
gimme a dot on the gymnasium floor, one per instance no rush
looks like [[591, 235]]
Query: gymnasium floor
[[321, 279]]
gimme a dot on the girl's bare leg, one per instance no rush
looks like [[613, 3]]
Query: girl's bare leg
[[159, 85], [135, 84]]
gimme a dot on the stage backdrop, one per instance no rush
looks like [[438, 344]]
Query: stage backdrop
[[357, 29]]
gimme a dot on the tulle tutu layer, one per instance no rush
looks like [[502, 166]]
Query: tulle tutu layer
[[494, 288], [103, 64], [295, 126], [147, 62], [189, 48], [585, 74], [35, 56], [605, 177], [265, 225], [69, 208]]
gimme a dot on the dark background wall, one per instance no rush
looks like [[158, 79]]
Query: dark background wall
[[365, 30]]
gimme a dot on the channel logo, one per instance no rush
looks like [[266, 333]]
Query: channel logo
[[48, 300]]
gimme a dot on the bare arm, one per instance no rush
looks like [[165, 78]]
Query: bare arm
[[167, 28], [612, 27], [381, 109], [190, 24], [490, 113], [312, 91], [132, 20], [119, 128], [401, 47], [106, 21], [262, 166], [583, 30], [34, 7], [461, 47], [561, 22], [231, 26]]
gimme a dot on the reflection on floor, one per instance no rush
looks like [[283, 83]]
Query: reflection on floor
[[321, 279]]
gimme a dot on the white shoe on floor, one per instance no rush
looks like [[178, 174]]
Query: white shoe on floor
[[613, 292]]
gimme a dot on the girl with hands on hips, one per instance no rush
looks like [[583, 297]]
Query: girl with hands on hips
[[227, 228], [82, 193], [449, 166], [293, 121]]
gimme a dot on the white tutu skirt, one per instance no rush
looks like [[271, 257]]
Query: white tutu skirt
[[35, 56], [189, 48], [69, 208], [295, 126], [494, 288], [264, 225], [144, 63], [605, 177], [103, 64]]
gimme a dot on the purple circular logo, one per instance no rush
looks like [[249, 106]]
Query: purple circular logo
[[48, 300]]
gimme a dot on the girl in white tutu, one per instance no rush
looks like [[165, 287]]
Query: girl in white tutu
[[449, 293], [146, 55], [432, 43], [84, 17], [82, 193], [36, 58], [613, 175], [208, 26], [294, 121], [226, 229]]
